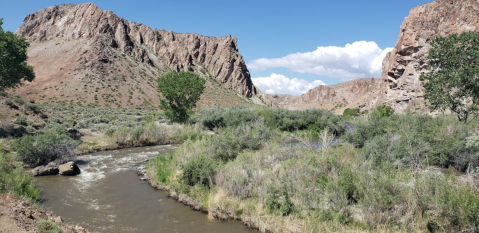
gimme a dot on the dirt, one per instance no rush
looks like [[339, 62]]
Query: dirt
[[20, 216]]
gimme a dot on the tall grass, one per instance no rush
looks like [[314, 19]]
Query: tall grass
[[14, 180]]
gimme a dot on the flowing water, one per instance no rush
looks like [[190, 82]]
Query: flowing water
[[109, 197]]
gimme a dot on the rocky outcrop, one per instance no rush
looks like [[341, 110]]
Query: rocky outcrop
[[359, 93], [69, 169], [46, 170], [77, 49], [402, 67]]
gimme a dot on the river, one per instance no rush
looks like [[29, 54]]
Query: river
[[109, 197]]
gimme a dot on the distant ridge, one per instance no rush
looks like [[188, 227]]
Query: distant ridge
[[358, 93]]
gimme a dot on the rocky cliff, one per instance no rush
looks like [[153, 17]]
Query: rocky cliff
[[359, 93], [84, 54], [402, 67]]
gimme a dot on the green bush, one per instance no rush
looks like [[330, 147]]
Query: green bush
[[278, 202], [47, 226], [199, 169], [44, 148], [384, 111], [233, 140], [21, 120], [225, 117], [285, 120], [349, 113], [414, 140], [17, 99], [31, 107]]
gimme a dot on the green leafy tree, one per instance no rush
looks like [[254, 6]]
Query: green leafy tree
[[181, 90], [13, 54], [453, 82]]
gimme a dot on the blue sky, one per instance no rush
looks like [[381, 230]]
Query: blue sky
[[287, 45]]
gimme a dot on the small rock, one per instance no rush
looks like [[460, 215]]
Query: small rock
[[69, 169], [58, 220]]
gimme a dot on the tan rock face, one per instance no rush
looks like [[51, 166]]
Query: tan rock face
[[80, 45], [402, 67], [359, 93]]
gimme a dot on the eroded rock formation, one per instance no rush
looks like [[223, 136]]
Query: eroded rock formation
[[402, 67], [359, 93], [77, 49]]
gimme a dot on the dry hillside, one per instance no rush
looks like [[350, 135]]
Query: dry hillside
[[82, 54]]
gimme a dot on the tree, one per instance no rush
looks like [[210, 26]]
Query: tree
[[181, 90], [13, 54], [453, 82]]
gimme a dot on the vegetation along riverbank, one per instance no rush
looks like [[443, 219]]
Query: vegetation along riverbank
[[394, 172]]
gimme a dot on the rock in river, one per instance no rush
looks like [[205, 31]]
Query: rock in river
[[47, 170], [69, 169]]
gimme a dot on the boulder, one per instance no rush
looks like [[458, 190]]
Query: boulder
[[47, 170], [69, 169]]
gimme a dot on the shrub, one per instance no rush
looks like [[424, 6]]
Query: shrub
[[278, 202], [416, 140], [21, 120], [18, 100], [242, 137], [31, 107], [285, 120], [384, 111], [47, 226], [44, 148], [121, 136], [199, 169], [349, 113]]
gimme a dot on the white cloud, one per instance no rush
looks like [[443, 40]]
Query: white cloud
[[361, 59], [280, 84]]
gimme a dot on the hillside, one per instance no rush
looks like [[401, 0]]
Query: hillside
[[82, 54], [359, 93]]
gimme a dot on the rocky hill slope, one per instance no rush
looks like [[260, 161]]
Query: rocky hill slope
[[359, 93], [402, 67], [82, 54]]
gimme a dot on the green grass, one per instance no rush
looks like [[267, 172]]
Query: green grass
[[15, 180]]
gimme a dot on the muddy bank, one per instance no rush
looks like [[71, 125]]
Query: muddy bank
[[20, 216], [145, 175]]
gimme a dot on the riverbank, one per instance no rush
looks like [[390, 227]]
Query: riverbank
[[394, 173], [20, 216]]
